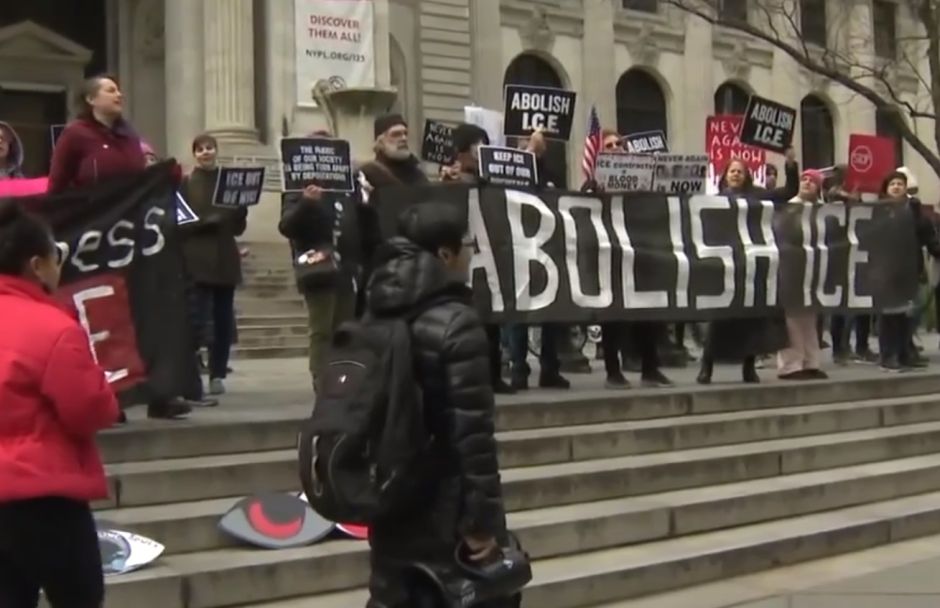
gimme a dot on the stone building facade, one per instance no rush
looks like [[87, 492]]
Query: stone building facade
[[227, 66]]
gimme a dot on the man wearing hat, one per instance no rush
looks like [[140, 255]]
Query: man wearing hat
[[394, 164]]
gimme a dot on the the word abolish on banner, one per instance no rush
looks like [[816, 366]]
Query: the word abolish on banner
[[530, 108], [238, 187], [569, 257], [437, 145], [322, 161], [768, 124], [122, 276], [507, 167]]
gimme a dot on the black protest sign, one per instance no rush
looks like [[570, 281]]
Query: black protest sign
[[768, 124], [529, 108], [437, 146], [122, 276], [320, 161], [568, 257], [507, 167], [647, 142], [238, 187]]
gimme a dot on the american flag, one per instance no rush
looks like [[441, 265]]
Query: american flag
[[592, 146]]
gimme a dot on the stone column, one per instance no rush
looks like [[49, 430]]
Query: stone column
[[228, 36], [599, 80], [184, 76], [487, 66]]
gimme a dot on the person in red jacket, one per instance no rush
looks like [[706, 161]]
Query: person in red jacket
[[54, 400], [99, 144]]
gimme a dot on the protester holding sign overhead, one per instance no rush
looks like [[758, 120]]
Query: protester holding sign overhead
[[746, 339], [100, 143], [211, 255]]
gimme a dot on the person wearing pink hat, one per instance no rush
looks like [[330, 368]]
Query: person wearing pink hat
[[801, 359]]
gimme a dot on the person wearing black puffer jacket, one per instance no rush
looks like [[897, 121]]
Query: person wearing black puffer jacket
[[428, 263]]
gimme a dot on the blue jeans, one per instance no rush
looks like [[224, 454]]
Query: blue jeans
[[548, 356], [217, 308]]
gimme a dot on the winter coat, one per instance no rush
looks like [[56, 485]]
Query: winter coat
[[55, 398], [927, 238], [15, 156], [210, 252], [452, 366], [735, 339], [88, 152]]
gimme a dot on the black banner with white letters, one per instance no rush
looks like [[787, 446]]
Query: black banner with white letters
[[528, 108], [768, 124], [122, 277], [557, 256]]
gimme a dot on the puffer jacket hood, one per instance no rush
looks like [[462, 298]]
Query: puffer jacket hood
[[13, 168], [406, 275]]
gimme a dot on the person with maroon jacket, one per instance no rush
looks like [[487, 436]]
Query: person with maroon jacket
[[99, 144], [54, 399]]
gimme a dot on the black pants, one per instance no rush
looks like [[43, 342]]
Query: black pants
[[639, 337], [840, 326], [49, 544], [894, 338], [420, 594], [217, 308], [496, 352]]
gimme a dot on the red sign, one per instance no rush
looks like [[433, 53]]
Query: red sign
[[102, 305], [723, 144], [23, 187], [871, 158]]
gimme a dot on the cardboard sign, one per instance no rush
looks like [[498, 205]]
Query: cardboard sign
[[680, 173], [490, 121], [123, 552], [621, 172], [508, 167], [437, 145], [184, 213], [275, 521], [238, 187], [528, 108], [871, 158], [322, 161], [646, 142], [768, 124], [723, 144]]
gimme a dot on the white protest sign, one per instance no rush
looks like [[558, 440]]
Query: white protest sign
[[622, 172]]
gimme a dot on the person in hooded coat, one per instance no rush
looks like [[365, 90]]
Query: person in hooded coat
[[746, 339], [11, 152]]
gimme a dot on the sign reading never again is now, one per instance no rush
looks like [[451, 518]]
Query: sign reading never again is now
[[723, 144]]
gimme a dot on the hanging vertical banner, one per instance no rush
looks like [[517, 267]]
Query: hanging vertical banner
[[335, 42]]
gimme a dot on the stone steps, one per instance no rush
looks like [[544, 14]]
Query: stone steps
[[272, 320], [270, 352], [615, 494]]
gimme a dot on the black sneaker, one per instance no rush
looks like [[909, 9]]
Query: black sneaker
[[816, 374], [173, 409], [518, 382], [554, 381], [655, 380], [891, 365], [616, 382], [865, 356]]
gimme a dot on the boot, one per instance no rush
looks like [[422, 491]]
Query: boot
[[706, 370], [174, 409], [749, 370]]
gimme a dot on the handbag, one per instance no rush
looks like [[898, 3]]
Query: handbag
[[313, 277]]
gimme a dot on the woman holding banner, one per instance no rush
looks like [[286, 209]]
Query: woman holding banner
[[746, 339]]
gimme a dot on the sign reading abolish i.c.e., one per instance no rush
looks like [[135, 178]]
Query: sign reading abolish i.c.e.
[[530, 108], [768, 124]]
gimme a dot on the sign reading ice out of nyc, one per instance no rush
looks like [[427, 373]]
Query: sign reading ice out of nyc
[[530, 108]]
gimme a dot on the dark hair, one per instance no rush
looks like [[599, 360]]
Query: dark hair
[[887, 180], [748, 178], [466, 135], [433, 225], [22, 237], [90, 88], [204, 139], [768, 168]]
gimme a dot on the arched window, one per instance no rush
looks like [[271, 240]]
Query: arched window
[[532, 70], [641, 105], [885, 126], [731, 98], [818, 133]]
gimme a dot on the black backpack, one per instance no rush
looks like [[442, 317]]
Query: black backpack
[[363, 450]]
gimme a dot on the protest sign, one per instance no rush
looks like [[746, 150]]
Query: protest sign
[[871, 158], [238, 187], [646, 142], [723, 144], [528, 108], [437, 145], [622, 172], [680, 173], [768, 124], [507, 167], [322, 161], [490, 121]]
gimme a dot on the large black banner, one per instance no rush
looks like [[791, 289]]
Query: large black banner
[[123, 276], [570, 257]]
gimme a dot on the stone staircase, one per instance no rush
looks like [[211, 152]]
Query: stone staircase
[[272, 318], [615, 495]]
